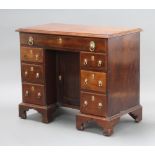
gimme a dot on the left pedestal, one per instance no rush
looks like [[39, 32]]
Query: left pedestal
[[38, 85]]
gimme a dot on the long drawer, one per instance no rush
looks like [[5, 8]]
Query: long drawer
[[64, 42]]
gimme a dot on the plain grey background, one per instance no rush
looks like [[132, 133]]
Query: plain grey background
[[15, 131]]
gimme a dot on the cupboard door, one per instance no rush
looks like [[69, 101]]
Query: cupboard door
[[68, 72]]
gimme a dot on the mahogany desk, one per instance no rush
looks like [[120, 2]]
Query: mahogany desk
[[94, 69]]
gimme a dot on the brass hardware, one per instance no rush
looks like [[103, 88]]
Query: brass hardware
[[32, 88], [86, 81], [100, 83], [93, 98], [39, 95], [60, 40], [37, 75], [26, 93], [60, 77], [31, 52], [37, 56], [92, 46], [85, 103], [99, 63], [32, 69], [100, 105], [92, 58], [26, 73], [30, 41], [93, 76], [85, 62]]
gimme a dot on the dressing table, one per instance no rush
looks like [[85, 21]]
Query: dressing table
[[93, 69]]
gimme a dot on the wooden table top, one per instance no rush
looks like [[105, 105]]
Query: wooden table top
[[79, 30]]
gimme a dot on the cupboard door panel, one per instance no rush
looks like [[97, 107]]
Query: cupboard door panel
[[69, 78]]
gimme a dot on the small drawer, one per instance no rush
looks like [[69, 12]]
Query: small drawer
[[95, 81], [31, 54], [33, 94], [98, 45], [32, 73], [94, 104], [93, 61]]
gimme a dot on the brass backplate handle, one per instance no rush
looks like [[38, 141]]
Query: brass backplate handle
[[92, 46], [100, 83], [30, 41], [85, 61], [100, 105], [99, 63]]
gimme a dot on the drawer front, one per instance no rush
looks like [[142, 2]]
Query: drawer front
[[31, 54], [32, 73], [95, 81], [93, 61], [64, 42], [94, 104], [33, 94]]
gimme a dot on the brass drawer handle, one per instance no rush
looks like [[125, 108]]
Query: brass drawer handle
[[85, 103], [93, 98], [100, 105], [26, 93], [86, 81], [26, 73], [85, 62], [60, 40], [93, 76], [39, 95], [37, 75], [100, 83], [37, 56], [30, 41], [60, 77], [32, 69], [99, 63], [92, 46]]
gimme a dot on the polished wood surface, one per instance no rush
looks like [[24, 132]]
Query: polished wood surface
[[92, 103], [33, 94], [50, 77], [45, 111], [60, 42], [123, 73], [79, 30], [93, 69], [68, 78], [93, 61], [30, 54], [94, 81], [108, 123], [32, 73]]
